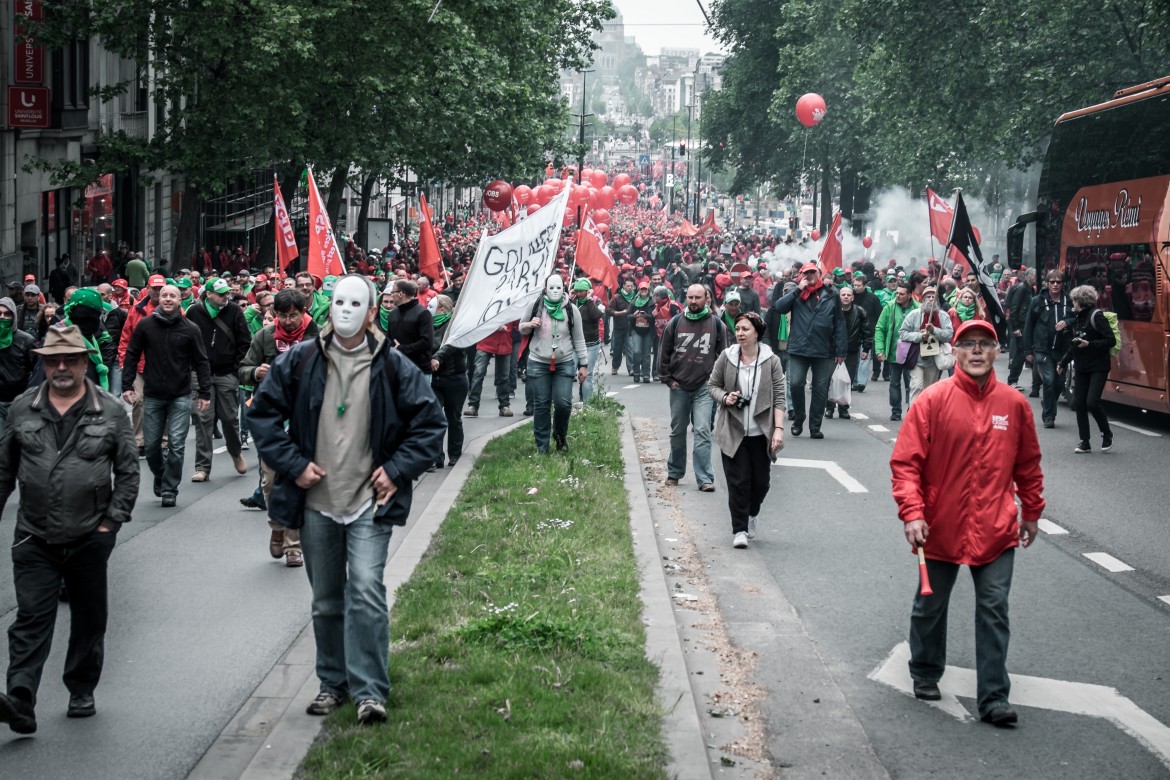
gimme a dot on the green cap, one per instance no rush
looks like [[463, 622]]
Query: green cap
[[86, 296], [183, 284], [219, 286], [582, 284]]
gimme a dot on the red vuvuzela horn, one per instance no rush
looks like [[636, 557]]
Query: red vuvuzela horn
[[923, 577]]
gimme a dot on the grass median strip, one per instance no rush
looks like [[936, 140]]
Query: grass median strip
[[518, 649]]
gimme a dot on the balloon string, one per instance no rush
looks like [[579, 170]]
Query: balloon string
[[800, 200]]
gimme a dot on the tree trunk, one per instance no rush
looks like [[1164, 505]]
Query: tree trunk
[[364, 213], [187, 233], [333, 201], [289, 181]]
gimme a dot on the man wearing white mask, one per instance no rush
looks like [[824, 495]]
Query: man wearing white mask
[[362, 425], [556, 353]]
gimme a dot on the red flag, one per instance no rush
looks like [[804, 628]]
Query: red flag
[[687, 229], [831, 251], [286, 240], [324, 259], [709, 223], [428, 248], [593, 255], [941, 215]]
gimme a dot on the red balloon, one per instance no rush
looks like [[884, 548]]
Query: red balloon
[[810, 109], [602, 228], [592, 204], [586, 177], [606, 197], [647, 231], [570, 215], [544, 194], [523, 194], [638, 242], [628, 194], [497, 196], [816, 235], [599, 178], [600, 215], [556, 184], [579, 195], [621, 180], [867, 242], [535, 207]]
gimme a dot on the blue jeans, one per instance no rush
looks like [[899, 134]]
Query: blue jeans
[[640, 353], [351, 621], [1051, 383], [175, 416], [691, 407], [504, 383], [928, 627], [549, 390], [589, 386], [822, 372], [899, 377]]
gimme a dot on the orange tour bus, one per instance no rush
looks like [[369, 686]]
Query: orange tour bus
[[1103, 217]]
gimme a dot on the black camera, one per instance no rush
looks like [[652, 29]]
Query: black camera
[[1081, 335], [741, 402]]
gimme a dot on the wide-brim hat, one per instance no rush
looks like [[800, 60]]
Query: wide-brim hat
[[63, 341]]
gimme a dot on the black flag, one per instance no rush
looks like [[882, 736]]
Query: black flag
[[963, 239]]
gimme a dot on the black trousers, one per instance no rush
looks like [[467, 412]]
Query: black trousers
[[37, 570], [451, 392], [748, 476], [1087, 389]]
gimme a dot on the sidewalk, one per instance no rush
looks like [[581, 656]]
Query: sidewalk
[[270, 734]]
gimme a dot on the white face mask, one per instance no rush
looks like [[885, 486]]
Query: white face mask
[[554, 288], [351, 303]]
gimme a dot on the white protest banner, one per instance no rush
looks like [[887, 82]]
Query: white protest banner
[[507, 274]]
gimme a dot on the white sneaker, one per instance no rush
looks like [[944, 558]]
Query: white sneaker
[[740, 540], [753, 526], [371, 711]]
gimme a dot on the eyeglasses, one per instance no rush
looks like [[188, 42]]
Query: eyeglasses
[[983, 344], [1055, 281]]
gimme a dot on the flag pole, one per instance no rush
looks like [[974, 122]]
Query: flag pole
[[928, 230]]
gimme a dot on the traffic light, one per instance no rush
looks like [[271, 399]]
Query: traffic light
[[682, 148]]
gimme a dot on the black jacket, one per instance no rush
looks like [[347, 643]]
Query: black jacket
[[101, 444], [1017, 300], [114, 320], [173, 349], [452, 360], [411, 325], [858, 329], [406, 427], [817, 328], [591, 316], [263, 349], [870, 303], [1092, 325], [16, 365], [226, 343], [1039, 330]]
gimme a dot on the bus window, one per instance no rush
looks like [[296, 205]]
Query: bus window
[[1123, 275]]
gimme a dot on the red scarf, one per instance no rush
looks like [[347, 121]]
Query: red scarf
[[807, 292], [287, 339]]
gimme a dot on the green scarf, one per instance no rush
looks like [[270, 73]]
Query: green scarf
[[628, 296], [555, 310], [782, 331], [639, 301], [730, 322], [691, 316], [384, 318], [965, 312], [440, 319], [6, 328], [212, 310], [185, 303]]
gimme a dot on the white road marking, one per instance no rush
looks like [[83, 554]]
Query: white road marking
[[1049, 527], [1108, 562], [835, 471], [1136, 429], [219, 450], [629, 387], [1164, 598], [611, 394], [859, 416], [878, 428], [1097, 701]]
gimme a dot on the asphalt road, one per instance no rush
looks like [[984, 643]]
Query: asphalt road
[[199, 613], [840, 560]]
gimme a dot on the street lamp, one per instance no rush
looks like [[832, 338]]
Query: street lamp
[[690, 113]]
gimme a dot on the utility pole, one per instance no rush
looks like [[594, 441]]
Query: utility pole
[[673, 148], [690, 153], [581, 142]]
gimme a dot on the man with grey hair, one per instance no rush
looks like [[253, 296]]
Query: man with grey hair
[[16, 357]]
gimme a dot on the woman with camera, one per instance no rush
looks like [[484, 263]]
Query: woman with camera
[[748, 386], [1088, 351]]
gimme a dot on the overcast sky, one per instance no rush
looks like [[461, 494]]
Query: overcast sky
[[670, 23]]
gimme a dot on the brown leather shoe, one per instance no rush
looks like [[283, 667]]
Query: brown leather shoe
[[240, 464], [276, 544], [293, 558]]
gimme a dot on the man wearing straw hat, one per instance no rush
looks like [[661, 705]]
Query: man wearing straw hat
[[65, 438]]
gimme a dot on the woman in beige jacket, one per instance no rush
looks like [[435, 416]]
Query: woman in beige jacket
[[748, 386]]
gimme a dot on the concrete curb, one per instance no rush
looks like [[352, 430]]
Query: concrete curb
[[270, 735], [684, 733]]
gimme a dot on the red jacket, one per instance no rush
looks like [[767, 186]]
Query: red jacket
[[136, 313], [957, 456], [499, 343]]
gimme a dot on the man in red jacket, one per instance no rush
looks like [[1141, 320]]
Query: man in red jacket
[[967, 448]]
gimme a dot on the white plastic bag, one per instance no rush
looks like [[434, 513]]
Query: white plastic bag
[[839, 386]]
